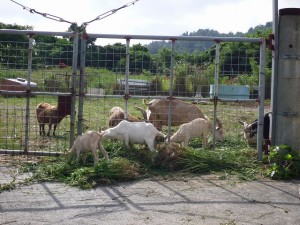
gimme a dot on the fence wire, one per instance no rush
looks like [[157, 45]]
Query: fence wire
[[115, 75]]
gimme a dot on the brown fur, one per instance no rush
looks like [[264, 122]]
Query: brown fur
[[48, 114], [117, 116], [181, 112]]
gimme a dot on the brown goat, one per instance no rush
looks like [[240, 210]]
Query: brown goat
[[49, 114], [117, 114], [181, 112]]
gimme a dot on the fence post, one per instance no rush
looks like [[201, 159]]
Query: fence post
[[81, 83], [73, 88], [171, 89], [261, 108], [126, 96], [216, 90], [28, 94]]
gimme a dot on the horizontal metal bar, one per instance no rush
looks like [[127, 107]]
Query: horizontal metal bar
[[52, 93], [32, 32], [35, 153], [130, 36], [288, 114], [177, 38], [175, 97]]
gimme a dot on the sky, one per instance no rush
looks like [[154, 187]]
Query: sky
[[145, 17]]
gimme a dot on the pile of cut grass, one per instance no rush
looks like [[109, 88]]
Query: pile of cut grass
[[138, 162]]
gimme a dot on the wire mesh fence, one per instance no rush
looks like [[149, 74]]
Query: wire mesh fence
[[83, 89]]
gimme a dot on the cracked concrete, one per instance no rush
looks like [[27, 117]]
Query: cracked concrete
[[202, 199]]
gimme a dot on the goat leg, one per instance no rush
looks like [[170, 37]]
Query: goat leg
[[54, 129], [42, 130], [50, 126]]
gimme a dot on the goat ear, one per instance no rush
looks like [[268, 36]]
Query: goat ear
[[219, 123], [241, 122], [101, 129]]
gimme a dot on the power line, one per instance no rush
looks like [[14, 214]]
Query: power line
[[59, 19], [110, 12], [46, 15]]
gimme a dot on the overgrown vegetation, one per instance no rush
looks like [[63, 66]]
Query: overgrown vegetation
[[232, 160], [136, 163], [283, 163]]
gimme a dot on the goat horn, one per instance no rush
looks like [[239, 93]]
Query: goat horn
[[145, 103], [143, 111]]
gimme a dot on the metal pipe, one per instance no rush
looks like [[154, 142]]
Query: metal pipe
[[27, 114], [177, 38], [81, 84], [261, 109], [32, 32], [216, 91], [171, 89], [275, 60], [34, 153], [73, 89], [127, 78], [142, 37]]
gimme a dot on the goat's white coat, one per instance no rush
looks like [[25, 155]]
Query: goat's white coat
[[89, 142], [134, 133], [196, 128]]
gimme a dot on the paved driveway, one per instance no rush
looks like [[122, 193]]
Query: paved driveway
[[185, 200]]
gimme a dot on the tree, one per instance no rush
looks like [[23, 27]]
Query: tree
[[14, 46]]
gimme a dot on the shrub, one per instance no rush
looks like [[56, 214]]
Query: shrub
[[283, 163]]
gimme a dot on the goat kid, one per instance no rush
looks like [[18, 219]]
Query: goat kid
[[197, 128], [88, 142], [134, 133], [250, 130]]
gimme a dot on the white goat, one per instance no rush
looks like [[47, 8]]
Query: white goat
[[197, 128], [134, 133], [89, 142]]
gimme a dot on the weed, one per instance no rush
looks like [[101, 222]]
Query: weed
[[283, 163]]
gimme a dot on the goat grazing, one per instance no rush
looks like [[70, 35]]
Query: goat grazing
[[250, 130], [134, 133], [181, 112], [88, 142], [117, 114], [52, 115], [197, 128]]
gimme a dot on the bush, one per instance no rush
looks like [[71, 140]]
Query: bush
[[283, 163]]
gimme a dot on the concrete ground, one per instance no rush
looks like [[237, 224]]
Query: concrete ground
[[183, 200]]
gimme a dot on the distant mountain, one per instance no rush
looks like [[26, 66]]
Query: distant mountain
[[190, 46]]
